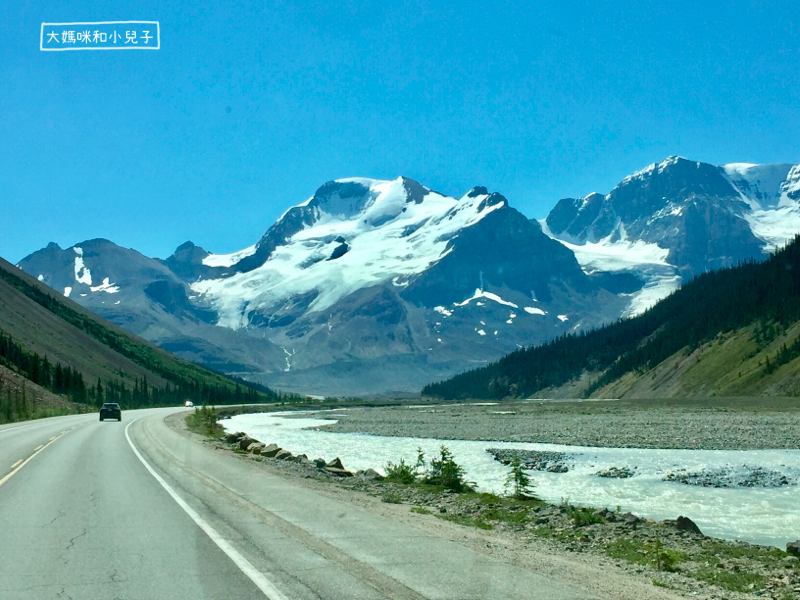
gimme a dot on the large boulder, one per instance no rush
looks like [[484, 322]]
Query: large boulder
[[336, 463], [686, 524], [793, 548], [371, 475], [246, 442], [234, 438], [256, 448], [271, 450], [283, 454], [338, 472]]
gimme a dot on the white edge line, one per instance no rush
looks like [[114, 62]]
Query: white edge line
[[16, 427], [258, 578]]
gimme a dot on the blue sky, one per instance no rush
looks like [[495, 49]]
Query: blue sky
[[248, 107]]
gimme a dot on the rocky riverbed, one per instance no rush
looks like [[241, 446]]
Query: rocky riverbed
[[706, 423], [734, 476]]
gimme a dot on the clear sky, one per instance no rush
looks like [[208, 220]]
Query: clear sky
[[249, 106]]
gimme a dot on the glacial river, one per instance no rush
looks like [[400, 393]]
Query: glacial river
[[769, 516]]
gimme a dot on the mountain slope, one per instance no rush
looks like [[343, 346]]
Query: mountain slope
[[38, 324], [752, 309]]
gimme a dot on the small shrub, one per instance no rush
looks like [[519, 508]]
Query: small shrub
[[518, 479], [421, 510], [400, 472], [583, 516], [420, 464], [446, 472]]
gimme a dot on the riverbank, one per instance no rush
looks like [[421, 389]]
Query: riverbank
[[701, 424], [667, 555]]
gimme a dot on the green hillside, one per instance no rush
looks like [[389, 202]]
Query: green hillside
[[62, 348], [732, 332]]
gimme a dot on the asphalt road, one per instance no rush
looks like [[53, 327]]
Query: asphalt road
[[133, 510]]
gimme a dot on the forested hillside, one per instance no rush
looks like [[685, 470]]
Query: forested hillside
[[753, 305], [59, 347]]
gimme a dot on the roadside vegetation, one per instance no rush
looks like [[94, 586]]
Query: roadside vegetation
[[204, 421]]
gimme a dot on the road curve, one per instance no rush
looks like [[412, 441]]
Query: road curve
[[133, 510]]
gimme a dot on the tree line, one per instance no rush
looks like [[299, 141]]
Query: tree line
[[69, 382]]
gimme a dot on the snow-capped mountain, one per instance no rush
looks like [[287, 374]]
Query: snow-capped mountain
[[675, 219], [368, 285]]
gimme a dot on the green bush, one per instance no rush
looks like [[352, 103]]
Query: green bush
[[400, 472], [583, 516], [446, 472], [204, 420]]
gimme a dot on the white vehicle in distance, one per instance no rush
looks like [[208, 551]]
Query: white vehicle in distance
[[189, 403]]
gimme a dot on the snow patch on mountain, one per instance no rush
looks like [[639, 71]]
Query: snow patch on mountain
[[228, 260], [82, 274], [479, 293], [646, 260], [386, 235], [109, 288], [758, 185], [775, 227], [613, 256]]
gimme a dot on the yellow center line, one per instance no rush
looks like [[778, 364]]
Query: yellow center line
[[39, 447], [25, 462], [14, 466], [54, 437]]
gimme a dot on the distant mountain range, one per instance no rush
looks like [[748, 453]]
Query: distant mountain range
[[373, 285]]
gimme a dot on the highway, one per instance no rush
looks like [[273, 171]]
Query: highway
[[132, 510]]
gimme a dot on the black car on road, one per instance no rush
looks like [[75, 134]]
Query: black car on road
[[111, 410]]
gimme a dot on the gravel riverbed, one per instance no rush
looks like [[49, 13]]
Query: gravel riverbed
[[707, 424]]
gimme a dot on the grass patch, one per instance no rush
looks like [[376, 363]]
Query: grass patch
[[421, 510], [650, 555], [628, 550], [392, 497], [763, 554], [583, 516], [466, 521], [239, 451], [735, 582]]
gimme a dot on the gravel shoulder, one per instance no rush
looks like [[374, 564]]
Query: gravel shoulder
[[708, 423]]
